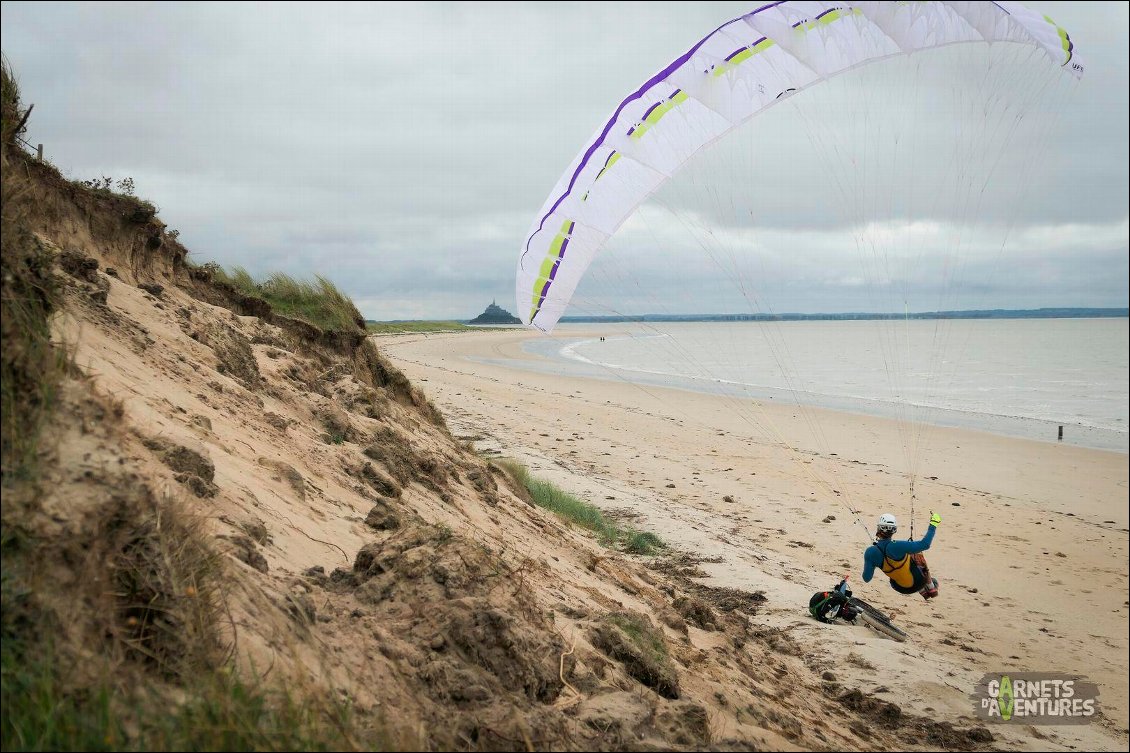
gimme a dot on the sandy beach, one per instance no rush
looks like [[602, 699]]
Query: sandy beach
[[1031, 553]]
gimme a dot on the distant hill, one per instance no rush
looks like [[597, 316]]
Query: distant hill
[[1045, 313], [495, 314]]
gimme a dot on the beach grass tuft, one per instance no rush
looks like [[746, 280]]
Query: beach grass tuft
[[219, 712], [318, 302], [32, 365], [642, 542], [576, 510]]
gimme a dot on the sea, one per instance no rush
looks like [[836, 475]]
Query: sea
[[1014, 377]]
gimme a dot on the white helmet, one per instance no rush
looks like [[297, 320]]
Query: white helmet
[[887, 523]]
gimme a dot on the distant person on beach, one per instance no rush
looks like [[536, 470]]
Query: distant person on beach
[[902, 561]]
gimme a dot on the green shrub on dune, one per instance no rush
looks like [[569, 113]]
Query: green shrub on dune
[[319, 302], [574, 509]]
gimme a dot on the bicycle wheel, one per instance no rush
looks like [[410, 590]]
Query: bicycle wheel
[[875, 619]]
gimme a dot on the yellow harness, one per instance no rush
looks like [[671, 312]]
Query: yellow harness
[[897, 570]]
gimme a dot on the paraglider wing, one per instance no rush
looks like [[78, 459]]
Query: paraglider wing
[[732, 74]]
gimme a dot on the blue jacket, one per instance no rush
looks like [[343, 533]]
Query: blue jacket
[[896, 550]]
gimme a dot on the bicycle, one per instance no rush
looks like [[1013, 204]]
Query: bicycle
[[839, 603]]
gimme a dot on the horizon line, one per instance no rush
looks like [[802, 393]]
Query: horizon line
[[1046, 312]]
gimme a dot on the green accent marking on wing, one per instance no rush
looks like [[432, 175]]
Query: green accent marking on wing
[[1064, 39], [552, 259]]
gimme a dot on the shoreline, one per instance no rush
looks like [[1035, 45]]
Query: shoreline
[[1021, 518], [546, 356]]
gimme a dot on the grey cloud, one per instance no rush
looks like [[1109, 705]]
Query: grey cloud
[[403, 149]]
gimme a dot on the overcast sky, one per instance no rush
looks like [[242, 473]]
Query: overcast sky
[[403, 150]]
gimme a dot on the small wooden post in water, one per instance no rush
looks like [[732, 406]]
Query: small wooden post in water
[[1060, 433]]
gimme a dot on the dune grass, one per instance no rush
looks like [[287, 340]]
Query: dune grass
[[319, 302], [155, 671], [221, 712], [572, 508], [646, 636], [580, 512], [31, 365], [642, 542], [12, 120], [398, 328]]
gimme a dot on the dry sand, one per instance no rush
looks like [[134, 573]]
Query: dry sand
[[1031, 553]]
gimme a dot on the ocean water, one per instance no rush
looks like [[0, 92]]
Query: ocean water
[[1017, 377]]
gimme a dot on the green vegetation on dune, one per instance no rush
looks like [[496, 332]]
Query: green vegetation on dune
[[220, 712], [642, 542], [642, 633], [320, 302], [32, 366], [398, 328], [13, 120], [587, 515], [573, 508], [154, 671]]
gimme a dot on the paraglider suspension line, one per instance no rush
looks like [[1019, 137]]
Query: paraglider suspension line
[[912, 496]]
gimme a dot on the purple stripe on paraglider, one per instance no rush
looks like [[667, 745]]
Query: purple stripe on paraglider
[[545, 288], [740, 50], [553, 272], [632, 98], [650, 110], [798, 24]]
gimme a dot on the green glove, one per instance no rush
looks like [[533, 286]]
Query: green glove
[[935, 518]]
